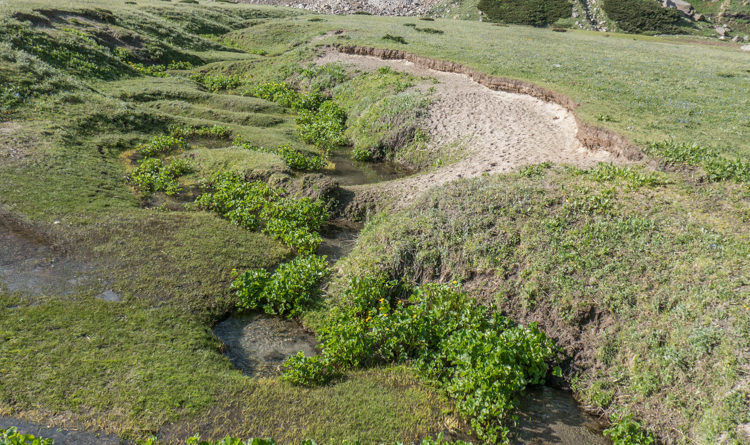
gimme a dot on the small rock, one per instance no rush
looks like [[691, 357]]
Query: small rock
[[698, 17], [743, 433], [736, 39], [109, 295], [685, 8], [720, 30]]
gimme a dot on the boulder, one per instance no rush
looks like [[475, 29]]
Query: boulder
[[685, 8], [720, 30]]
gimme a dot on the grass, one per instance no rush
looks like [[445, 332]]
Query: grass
[[130, 368], [653, 87], [155, 366], [660, 259], [645, 271]]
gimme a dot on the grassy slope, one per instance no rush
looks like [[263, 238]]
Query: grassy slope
[[702, 100], [150, 361], [655, 277], [651, 87]]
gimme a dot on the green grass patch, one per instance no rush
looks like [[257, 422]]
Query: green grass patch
[[655, 253]]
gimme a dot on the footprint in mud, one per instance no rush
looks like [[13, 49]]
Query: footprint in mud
[[258, 344]]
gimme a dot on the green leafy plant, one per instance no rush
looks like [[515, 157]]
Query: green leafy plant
[[162, 144], [189, 131], [294, 159], [626, 431], [11, 436], [533, 170], [718, 167], [288, 291], [217, 82], [152, 175], [323, 127], [444, 333], [256, 205]]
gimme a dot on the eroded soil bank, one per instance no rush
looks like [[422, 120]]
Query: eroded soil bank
[[497, 131]]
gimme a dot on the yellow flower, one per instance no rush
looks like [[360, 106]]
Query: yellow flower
[[455, 282]]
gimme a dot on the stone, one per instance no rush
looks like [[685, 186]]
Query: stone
[[743, 433], [685, 8], [721, 30], [109, 295], [736, 39], [745, 48], [698, 17]]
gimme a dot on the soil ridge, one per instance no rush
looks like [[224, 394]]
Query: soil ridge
[[591, 136]]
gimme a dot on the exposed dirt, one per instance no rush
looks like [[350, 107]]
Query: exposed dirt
[[375, 7], [498, 132], [29, 264], [60, 435]]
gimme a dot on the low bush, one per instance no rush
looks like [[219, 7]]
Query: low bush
[[11, 436], [445, 333], [290, 289], [525, 12], [397, 39], [189, 131], [217, 82], [429, 30], [256, 205], [637, 16], [162, 144], [152, 175]]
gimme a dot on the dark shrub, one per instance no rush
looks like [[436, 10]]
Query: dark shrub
[[526, 12], [637, 16]]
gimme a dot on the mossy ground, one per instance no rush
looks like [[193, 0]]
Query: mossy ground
[[666, 264]]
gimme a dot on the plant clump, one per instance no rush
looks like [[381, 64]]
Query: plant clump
[[290, 289], [257, 206], [637, 16], [525, 12], [162, 144], [321, 122], [293, 159], [481, 359], [154, 175]]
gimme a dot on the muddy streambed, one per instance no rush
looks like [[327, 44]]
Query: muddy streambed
[[258, 345]]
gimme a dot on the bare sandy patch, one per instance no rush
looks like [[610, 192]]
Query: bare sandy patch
[[498, 132]]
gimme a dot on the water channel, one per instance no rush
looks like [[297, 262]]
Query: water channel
[[257, 344]]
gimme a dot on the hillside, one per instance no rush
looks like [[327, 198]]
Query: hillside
[[527, 237]]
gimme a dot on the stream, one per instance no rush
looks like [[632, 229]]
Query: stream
[[257, 344]]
